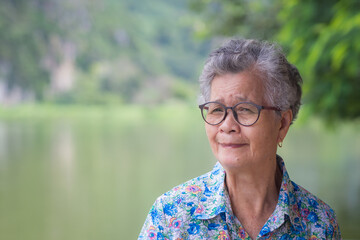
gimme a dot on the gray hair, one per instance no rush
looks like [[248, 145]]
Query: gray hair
[[281, 79]]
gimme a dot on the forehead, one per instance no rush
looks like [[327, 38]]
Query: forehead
[[232, 87]]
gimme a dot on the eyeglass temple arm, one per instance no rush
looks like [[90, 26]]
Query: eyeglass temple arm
[[271, 108]]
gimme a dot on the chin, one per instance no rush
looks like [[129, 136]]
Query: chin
[[232, 160]]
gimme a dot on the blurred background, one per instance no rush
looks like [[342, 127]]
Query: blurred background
[[98, 106]]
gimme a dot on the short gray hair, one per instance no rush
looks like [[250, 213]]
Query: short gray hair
[[281, 79]]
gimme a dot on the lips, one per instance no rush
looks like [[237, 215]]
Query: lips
[[232, 145]]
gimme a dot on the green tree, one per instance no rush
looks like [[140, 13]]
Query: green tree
[[135, 51], [322, 38], [24, 35]]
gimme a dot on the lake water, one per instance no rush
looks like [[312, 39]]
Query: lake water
[[95, 174]]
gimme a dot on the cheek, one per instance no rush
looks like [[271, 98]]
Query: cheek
[[264, 138], [211, 132]]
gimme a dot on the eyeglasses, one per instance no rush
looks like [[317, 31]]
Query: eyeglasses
[[245, 113]]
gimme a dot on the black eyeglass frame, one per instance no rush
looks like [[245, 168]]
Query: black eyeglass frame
[[259, 107]]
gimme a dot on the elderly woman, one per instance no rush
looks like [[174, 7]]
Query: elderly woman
[[251, 96]]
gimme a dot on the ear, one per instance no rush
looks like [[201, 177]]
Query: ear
[[286, 118]]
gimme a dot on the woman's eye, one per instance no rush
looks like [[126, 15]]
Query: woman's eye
[[217, 110], [244, 110]]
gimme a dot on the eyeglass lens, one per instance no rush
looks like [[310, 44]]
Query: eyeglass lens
[[246, 113]]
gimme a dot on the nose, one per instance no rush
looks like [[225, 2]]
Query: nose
[[229, 124]]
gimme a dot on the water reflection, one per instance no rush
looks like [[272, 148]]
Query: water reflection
[[3, 144], [63, 155]]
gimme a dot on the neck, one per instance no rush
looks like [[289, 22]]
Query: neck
[[253, 194], [255, 189]]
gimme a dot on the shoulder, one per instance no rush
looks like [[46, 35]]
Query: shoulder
[[186, 194], [308, 201], [196, 188], [314, 212], [174, 212], [195, 198]]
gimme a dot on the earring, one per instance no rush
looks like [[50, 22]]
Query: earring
[[280, 144]]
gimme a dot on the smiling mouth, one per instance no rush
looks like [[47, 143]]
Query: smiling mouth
[[231, 145]]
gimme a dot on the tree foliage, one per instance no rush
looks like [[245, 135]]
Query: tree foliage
[[21, 21], [121, 50], [322, 38]]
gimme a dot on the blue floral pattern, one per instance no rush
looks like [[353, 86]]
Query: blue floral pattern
[[201, 209]]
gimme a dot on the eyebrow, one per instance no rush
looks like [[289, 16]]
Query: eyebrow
[[242, 99]]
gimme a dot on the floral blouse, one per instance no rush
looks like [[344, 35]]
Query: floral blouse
[[201, 209]]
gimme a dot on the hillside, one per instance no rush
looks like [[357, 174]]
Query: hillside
[[98, 51]]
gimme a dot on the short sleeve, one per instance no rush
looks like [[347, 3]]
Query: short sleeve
[[154, 225], [333, 232]]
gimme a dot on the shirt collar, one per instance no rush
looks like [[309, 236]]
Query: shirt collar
[[287, 206], [212, 199]]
